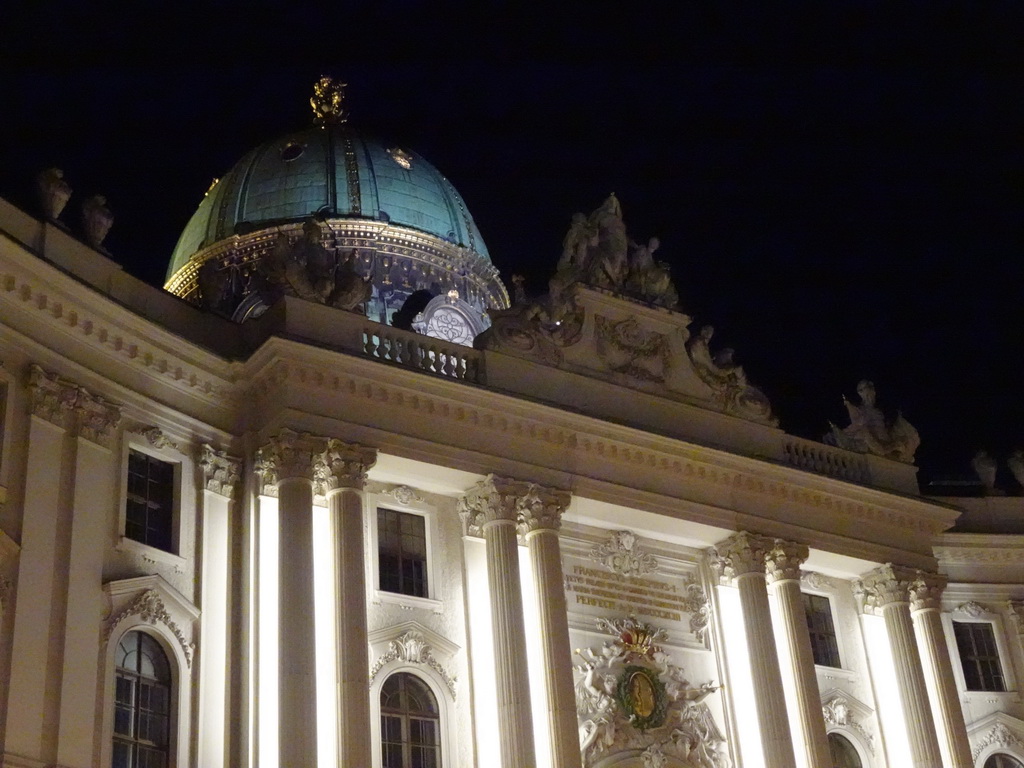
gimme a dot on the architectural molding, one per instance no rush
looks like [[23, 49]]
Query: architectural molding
[[221, 473], [1000, 736], [149, 607], [622, 553], [842, 711], [413, 647]]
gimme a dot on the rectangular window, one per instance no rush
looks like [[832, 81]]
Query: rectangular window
[[149, 510], [979, 656], [402, 552], [822, 631]]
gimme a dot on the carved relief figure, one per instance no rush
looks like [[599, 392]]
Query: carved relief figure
[[869, 432], [727, 380]]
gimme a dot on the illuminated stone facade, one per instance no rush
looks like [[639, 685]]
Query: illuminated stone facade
[[611, 555]]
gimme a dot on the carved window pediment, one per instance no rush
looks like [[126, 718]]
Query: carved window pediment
[[150, 600]]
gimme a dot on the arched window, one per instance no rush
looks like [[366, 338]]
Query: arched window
[[1003, 761], [842, 752], [142, 703], [409, 724]]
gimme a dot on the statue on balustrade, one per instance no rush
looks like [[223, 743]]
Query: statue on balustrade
[[727, 380], [870, 432]]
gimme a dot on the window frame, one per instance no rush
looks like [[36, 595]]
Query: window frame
[[1001, 638], [830, 600], [999, 655], [445, 709], [172, 556], [422, 509], [137, 678]]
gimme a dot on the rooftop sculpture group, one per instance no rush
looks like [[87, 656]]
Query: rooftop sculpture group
[[870, 432]]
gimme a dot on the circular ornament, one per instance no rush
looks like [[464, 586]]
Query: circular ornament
[[642, 696]]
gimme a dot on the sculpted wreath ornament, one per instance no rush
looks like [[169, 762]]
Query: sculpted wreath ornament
[[641, 694]]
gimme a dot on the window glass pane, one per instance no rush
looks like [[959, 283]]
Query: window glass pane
[[410, 727], [824, 645], [402, 552], [149, 509], [142, 707], [979, 656]]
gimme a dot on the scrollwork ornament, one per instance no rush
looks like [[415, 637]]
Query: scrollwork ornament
[[973, 609], [1016, 611], [999, 736], [404, 495], [412, 647], [221, 472], [151, 609], [622, 554]]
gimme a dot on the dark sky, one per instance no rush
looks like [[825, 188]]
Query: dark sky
[[836, 185]]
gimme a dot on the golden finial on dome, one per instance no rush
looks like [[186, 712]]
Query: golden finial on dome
[[326, 102]]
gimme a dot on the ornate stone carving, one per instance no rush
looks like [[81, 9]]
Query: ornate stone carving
[[740, 554], [72, 407], [622, 553], [540, 509], [630, 695], [727, 380], [326, 101], [221, 472], [973, 609], [54, 192], [345, 465], [697, 605], [156, 437], [289, 455], [150, 608], [412, 647], [96, 220], [782, 562], [403, 494], [870, 432], [490, 500], [985, 467], [627, 348], [816, 580], [889, 584], [838, 712], [1016, 611], [999, 736], [926, 591]]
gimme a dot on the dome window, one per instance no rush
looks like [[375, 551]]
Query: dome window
[[292, 151], [401, 157]]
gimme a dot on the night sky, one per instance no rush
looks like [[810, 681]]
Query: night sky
[[838, 186]]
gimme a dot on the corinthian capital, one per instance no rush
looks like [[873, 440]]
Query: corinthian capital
[[540, 509], [740, 554], [491, 500], [345, 465], [96, 419], [289, 455], [69, 406], [925, 591], [782, 562], [886, 585], [220, 471]]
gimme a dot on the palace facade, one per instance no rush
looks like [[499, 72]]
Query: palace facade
[[333, 498]]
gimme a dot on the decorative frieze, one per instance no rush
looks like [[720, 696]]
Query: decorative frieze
[[412, 647], [623, 554], [782, 562], [72, 407], [290, 455], [150, 608], [742, 553], [344, 465], [221, 472]]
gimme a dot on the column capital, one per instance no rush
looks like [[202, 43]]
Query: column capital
[[926, 591], [782, 562], [741, 554], [221, 472], [288, 455], [491, 500], [344, 465], [67, 405], [540, 509], [886, 585]]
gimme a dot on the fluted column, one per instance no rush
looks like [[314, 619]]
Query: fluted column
[[782, 565], [925, 610], [490, 509], [885, 591], [540, 517], [740, 559], [287, 463], [346, 466]]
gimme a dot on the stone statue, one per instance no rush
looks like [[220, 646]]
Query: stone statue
[[608, 263], [310, 271], [326, 101], [649, 280], [869, 432], [727, 380], [1016, 464], [96, 220], [984, 466], [54, 192]]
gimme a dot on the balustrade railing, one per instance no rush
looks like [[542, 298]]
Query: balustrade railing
[[422, 353], [824, 460]]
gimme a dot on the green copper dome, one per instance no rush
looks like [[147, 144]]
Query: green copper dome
[[335, 173]]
